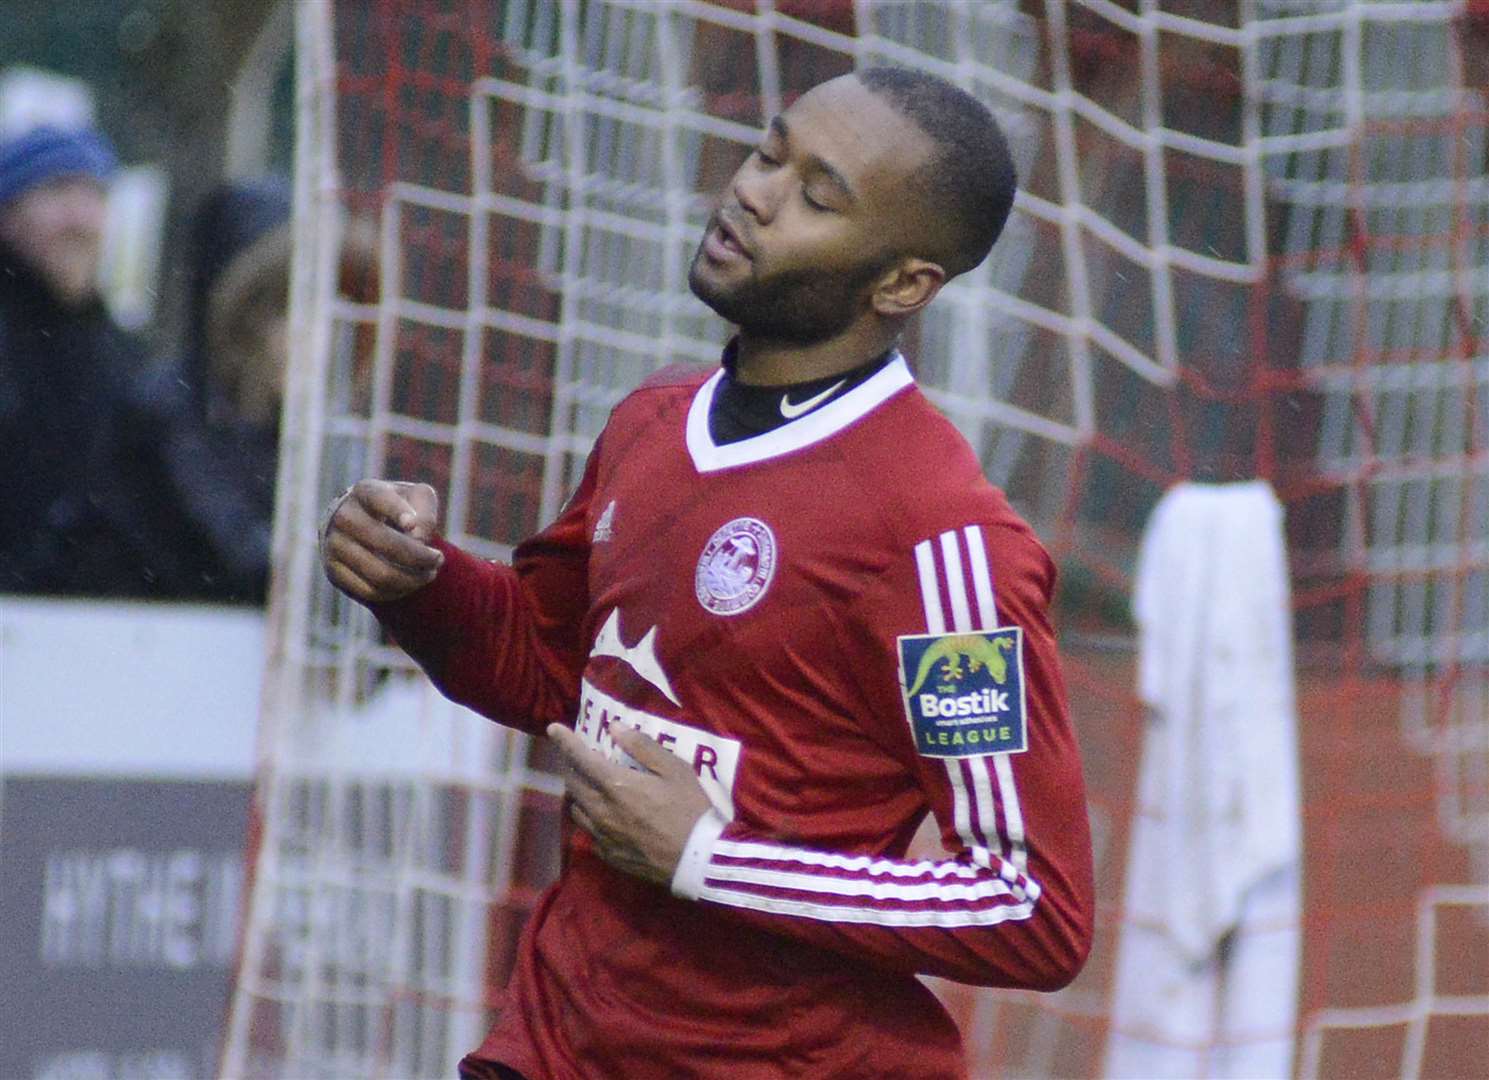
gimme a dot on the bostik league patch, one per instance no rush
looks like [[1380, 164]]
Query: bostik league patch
[[964, 692]]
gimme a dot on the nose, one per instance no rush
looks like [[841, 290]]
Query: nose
[[81, 206], [754, 190]]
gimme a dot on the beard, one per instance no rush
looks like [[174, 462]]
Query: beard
[[795, 307]]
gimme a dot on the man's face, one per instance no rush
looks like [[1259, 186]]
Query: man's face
[[812, 218], [57, 227]]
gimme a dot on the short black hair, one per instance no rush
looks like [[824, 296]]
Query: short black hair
[[971, 176]]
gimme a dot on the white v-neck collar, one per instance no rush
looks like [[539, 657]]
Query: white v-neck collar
[[815, 426]]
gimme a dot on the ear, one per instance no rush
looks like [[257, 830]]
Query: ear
[[907, 287]]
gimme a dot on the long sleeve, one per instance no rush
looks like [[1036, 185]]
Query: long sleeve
[[1011, 905], [507, 641]]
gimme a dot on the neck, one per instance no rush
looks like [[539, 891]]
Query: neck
[[763, 362]]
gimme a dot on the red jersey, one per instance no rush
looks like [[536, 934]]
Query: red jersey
[[842, 626]]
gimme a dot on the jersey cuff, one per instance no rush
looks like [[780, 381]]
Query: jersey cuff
[[687, 879]]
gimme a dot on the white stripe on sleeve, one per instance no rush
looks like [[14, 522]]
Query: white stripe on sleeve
[[961, 613], [1013, 817], [930, 592], [898, 918], [982, 578]]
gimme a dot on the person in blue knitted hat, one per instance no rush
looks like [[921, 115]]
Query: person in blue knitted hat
[[52, 206], [64, 370]]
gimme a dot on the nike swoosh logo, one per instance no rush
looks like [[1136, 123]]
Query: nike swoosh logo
[[791, 412]]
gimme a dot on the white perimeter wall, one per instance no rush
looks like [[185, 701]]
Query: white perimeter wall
[[127, 736], [128, 689]]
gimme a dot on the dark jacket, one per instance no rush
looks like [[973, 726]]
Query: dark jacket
[[210, 476], [66, 511], [211, 487]]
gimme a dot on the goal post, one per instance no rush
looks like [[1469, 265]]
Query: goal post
[[1251, 241]]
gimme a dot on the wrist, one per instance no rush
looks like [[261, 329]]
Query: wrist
[[327, 516], [692, 866]]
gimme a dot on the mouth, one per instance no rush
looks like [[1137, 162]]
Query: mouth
[[723, 241]]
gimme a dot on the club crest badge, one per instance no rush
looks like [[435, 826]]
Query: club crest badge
[[964, 692], [736, 567]]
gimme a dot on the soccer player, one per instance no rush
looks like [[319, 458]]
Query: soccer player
[[783, 618]]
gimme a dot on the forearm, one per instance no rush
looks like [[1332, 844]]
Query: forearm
[[985, 924], [473, 631]]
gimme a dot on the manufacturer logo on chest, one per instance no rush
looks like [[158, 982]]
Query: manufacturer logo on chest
[[736, 567], [605, 527]]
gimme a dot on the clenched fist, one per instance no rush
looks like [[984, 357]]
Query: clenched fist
[[375, 546]]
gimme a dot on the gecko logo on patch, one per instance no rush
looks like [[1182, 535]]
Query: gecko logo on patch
[[964, 692]]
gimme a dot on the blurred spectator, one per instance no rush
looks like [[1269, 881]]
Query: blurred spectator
[[64, 372], [205, 432]]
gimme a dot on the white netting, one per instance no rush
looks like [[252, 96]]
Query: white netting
[[1252, 240]]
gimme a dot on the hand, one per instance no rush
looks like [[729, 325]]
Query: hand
[[640, 821], [375, 545]]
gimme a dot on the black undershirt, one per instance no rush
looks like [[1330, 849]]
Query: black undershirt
[[740, 411]]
